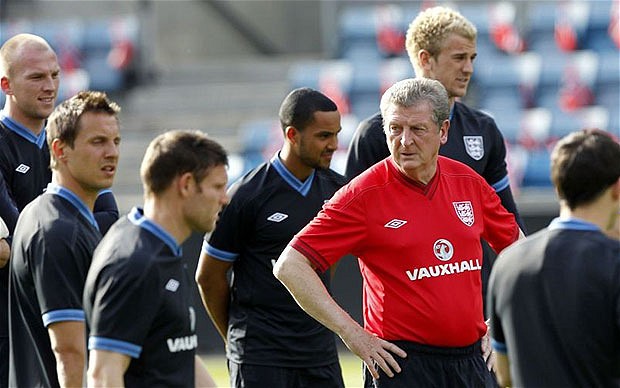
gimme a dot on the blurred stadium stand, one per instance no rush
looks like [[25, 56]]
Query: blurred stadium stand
[[544, 69]]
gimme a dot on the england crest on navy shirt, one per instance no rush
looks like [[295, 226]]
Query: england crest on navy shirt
[[474, 146]]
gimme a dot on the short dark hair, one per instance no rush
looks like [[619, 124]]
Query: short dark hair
[[583, 165], [297, 109], [177, 152], [64, 121]]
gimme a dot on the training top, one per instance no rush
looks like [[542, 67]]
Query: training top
[[24, 166], [138, 302], [266, 326], [418, 248], [53, 244], [554, 303]]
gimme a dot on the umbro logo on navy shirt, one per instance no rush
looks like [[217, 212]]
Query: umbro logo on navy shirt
[[395, 223], [172, 285], [277, 217], [22, 168]]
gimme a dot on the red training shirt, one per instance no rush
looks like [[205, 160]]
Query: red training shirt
[[418, 247]]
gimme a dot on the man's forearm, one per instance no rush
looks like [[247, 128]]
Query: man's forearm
[[215, 298], [70, 368], [307, 289]]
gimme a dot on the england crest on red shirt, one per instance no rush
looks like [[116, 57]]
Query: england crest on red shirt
[[465, 212]]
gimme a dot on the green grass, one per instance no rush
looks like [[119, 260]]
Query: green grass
[[350, 364]]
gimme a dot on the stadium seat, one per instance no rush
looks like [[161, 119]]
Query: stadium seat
[[255, 135], [305, 74], [102, 75], [356, 24], [535, 127], [537, 172]]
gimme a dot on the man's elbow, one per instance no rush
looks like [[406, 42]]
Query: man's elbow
[[279, 268]]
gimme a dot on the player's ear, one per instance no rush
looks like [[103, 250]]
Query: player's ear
[[58, 149], [615, 190], [185, 184], [443, 131], [290, 134], [5, 84], [424, 59]]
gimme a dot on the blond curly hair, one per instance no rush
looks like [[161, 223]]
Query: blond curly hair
[[431, 27]]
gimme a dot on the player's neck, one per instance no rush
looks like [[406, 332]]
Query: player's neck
[[35, 125], [600, 213], [85, 195], [294, 165], [166, 214]]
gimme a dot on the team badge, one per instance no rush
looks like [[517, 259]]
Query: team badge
[[443, 249], [465, 212], [474, 146]]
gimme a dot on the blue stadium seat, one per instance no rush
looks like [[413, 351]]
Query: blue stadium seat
[[103, 76], [356, 24], [541, 16], [305, 74], [537, 171], [256, 135]]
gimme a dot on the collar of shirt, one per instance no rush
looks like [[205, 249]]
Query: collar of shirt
[[136, 216], [302, 187], [23, 131], [572, 223], [56, 189]]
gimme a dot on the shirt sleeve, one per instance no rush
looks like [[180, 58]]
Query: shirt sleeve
[[339, 228], [367, 147], [59, 268], [500, 226], [105, 210], [229, 235], [124, 306], [496, 171]]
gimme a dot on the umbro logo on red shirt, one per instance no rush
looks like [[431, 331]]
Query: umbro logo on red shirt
[[395, 223]]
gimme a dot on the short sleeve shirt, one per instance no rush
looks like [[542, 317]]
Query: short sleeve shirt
[[266, 326], [418, 247], [52, 249], [138, 302]]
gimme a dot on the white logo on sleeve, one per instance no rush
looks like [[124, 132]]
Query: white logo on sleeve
[[395, 223], [172, 285], [465, 211], [277, 217], [22, 168]]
